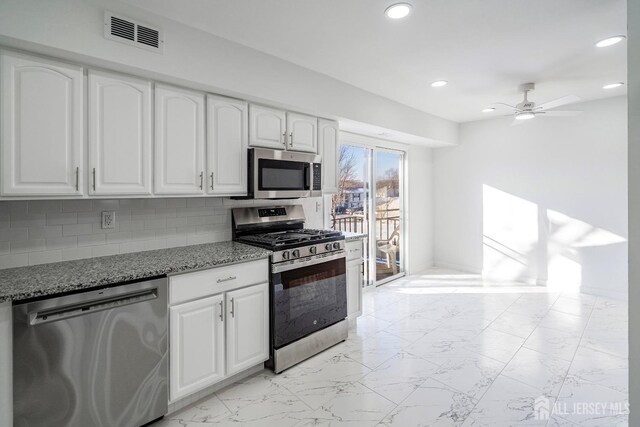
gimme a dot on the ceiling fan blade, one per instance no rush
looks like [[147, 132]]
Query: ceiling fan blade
[[506, 105], [558, 102], [557, 113]]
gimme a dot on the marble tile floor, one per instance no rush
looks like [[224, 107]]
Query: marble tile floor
[[448, 349]]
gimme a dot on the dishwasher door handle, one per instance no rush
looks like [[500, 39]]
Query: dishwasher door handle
[[93, 306]]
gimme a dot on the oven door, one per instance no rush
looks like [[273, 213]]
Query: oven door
[[280, 174], [307, 297]]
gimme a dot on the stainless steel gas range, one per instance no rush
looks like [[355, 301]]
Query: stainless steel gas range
[[308, 295]]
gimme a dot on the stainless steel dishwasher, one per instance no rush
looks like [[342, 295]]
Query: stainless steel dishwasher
[[96, 358]]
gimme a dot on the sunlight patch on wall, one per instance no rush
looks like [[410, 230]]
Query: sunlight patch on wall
[[510, 234]]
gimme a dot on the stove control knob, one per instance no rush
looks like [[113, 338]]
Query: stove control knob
[[295, 253], [336, 245], [313, 250], [328, 246], [285, 255]]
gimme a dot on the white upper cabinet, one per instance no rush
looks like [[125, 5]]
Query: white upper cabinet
[[179, 141], [227, 135], [119, 134], [42, 127], [267, 127], [329, 150], [247, 327], [302, 133]]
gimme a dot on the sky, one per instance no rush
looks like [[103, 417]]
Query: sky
[[385, 160]]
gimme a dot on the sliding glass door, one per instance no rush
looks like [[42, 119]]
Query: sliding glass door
[[388, 214], [369, 201]]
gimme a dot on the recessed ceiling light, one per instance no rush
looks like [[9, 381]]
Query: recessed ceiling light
[[610, 41], [398, 10], [612, 85], [439, 83], [488, 110], [525, 116]]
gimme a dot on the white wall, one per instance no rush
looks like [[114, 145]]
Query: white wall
[[542, 202], [633, 87], [419, 215], [73, 29]]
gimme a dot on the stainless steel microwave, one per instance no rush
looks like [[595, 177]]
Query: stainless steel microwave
[[278, 174]]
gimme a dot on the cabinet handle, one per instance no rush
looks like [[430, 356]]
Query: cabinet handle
[[201, 180], [94, 179], [291, 139], [77, 178], [227, 279], [221, 312], [284, 139], [232, 308], [212, 180]]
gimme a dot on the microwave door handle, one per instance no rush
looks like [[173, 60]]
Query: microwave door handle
[[307, 172]]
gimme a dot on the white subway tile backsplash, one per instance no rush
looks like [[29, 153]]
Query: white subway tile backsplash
[[14, 260], [13, 234], [76, 206], [92, 240], [121, 237], [62, 218], [37, 232], [27, 245], [44, 257], [105, 250], [62, 242], [45, 232], [77, 229], [70, 254]]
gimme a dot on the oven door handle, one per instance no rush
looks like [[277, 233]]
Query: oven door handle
[[313, 261]]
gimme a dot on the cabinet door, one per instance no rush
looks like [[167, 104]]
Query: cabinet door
[[227, 134], [354, 288], [42, 132], [247, 327], [179, 141], [119, 134], [302, 132], [197, 345], [267, 127], [329, 149]]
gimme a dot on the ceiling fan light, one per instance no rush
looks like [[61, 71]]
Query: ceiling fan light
[[398, 10], [610, 41], [488, 110], [525, 116], [612, 85], [439, 83]]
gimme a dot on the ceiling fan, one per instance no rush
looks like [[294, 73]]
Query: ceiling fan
[[528, 109]]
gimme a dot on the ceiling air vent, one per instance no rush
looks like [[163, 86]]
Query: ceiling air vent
[[132, 32]]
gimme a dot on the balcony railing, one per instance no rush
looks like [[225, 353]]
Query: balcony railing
[[387, 220]]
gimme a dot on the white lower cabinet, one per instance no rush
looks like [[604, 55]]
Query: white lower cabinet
[[197, 345], [247, 327], [213, 337], [354, 278]]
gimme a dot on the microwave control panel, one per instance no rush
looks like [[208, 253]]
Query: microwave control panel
[[317, 177]]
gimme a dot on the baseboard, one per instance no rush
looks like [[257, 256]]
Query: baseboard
[[606, 293], [458, 267], [422, 267]]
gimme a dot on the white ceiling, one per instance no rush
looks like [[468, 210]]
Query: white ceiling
[[485, 49]]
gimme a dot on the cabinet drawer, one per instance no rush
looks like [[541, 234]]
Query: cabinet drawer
[[354, 250], [199, 284]]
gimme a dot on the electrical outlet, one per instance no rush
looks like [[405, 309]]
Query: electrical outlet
[[109, 219], [318, 206]]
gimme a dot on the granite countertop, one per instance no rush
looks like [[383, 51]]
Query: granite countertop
[[349, 236], [48, 279]]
